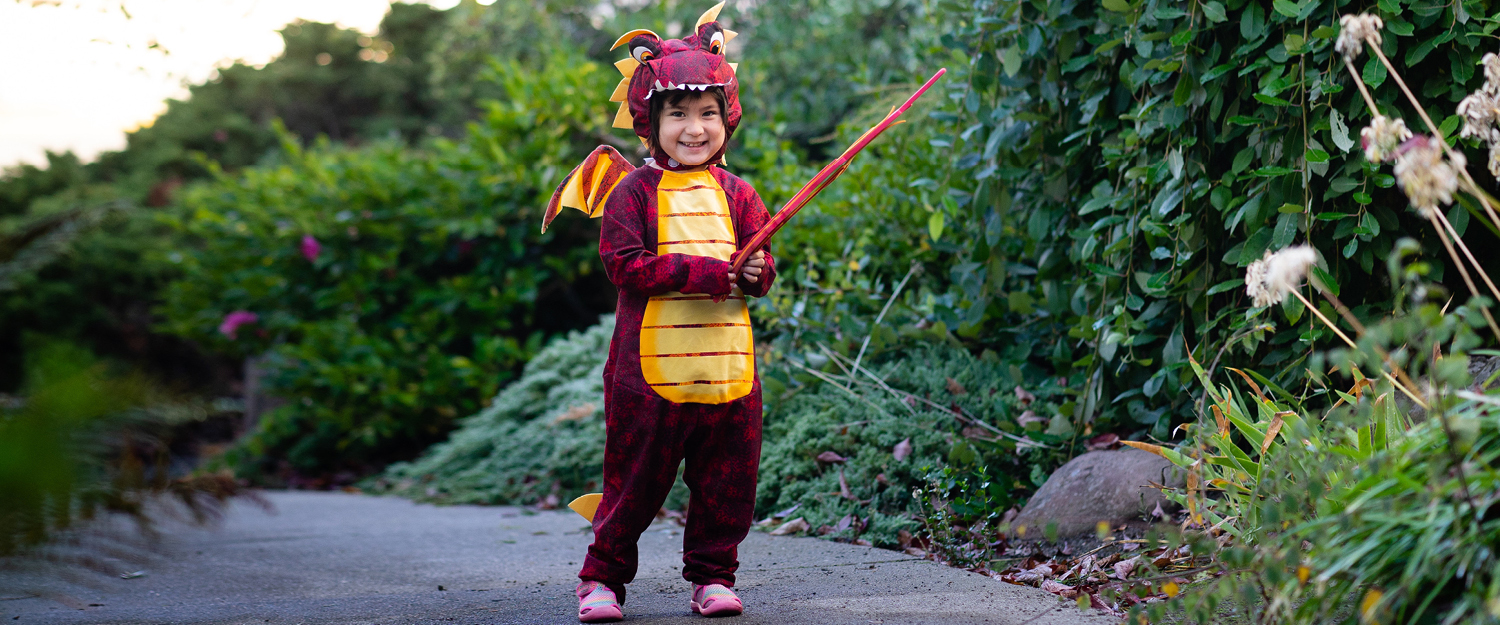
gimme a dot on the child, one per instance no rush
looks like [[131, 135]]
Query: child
[[680, 383]]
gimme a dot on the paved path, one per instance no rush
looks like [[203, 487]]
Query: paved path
[[339, 558]]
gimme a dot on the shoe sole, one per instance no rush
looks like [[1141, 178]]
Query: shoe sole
[[602, 615], [720, 608]]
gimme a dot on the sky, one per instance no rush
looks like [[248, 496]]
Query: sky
[[78, 74]]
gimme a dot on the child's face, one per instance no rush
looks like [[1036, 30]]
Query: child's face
[[692, 130]]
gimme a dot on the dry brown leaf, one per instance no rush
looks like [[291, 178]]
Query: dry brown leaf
[[1253, 385], [902, 450], [1124, 568], [830, 457], [844, 486], [954, 388], [1221, 420], [1155, 449], [1024, 397], [1271, 431], [1103, 441], [576, 413], [1054, 587], [1030, 417], [793, 526]]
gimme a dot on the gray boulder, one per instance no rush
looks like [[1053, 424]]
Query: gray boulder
[[1098, 486]]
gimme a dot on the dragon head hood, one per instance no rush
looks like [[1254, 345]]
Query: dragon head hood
[[656, 66]]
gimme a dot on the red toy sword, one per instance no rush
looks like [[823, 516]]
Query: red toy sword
[[826, 176]]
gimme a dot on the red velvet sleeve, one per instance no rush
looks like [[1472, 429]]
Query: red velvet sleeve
[[753, 216], [631, 264]]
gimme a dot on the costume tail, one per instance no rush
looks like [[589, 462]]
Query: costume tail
[[586, 505], [589, 184]]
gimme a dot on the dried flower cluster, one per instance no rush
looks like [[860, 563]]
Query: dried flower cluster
[[1481, 111], [1355, 30], [1428, 179], [1268, 280], [1381, 138]]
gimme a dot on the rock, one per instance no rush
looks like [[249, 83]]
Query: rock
[[1098, 486], [1481, 369]]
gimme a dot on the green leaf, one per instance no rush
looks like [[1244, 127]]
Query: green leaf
[[1242, 160], [1217, 71], [1226, 285], [1011, 59], [1241, 120], [1400, 27], [1324, 281], [1362, 197], [1374, 73], [1294, 42], [1265, 99], [1339, 130], [1273, 171], [1286, 231], [1118, 6], [1325, 32], [1449, 125], [1316, 156], [1289, 209], [1286, 7], [935, 225], [1108, 45], [1096, 204], [1214, 11]]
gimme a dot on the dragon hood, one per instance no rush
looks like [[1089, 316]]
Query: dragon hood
[[693, 63]]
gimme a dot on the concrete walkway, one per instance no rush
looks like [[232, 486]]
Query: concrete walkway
[[341, 558]]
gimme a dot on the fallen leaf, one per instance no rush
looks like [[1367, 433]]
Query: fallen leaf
[[913, 551], [1037, 574], [132, 575], [903, 538], [882, 480], [793, 526], [1054, 587], [830, 457], [862, 542], [1157, 512], [551, 502], [1024, 397], [1124, 568], [902, 450], [1030, 417], [844, 486], [1171, 589], [576, 413], [787, 512], [844, 523], [976, 432], [1368, 605], [1103, 441], [954, 388]]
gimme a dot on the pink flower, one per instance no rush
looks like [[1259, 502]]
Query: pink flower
[[310, 248], [234, 320]]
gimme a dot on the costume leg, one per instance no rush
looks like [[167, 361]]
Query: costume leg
[[642, 450], [723, 455]]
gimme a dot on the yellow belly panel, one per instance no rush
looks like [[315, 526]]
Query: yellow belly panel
[[693, 349]]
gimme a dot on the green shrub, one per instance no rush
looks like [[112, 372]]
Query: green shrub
[[542, 435], [394, 289], [971, 425]]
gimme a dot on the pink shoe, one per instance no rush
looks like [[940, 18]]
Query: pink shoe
[[716, 600], [597, 604]]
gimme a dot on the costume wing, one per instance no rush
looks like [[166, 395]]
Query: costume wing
[[589, 184], [586, 505]]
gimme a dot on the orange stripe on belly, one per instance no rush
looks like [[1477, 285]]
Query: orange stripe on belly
[[698, 325], [698, 214], [704, 382], [694, 354], [692, 188], [689, 241]]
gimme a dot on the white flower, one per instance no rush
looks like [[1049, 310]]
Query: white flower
[[1479, 110], [1427, 179], [1491, 62], [1268, 280], [1495, 159], [1382, 137], [1355, 30]]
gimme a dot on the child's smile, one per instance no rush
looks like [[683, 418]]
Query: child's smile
[[692, 130]]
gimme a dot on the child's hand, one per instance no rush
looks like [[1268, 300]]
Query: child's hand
[[752, 268]]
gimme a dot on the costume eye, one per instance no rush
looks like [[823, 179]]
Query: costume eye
[[716, 44], [642, 54]]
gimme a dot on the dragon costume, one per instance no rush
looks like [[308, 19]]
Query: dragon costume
[[680, 381]]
